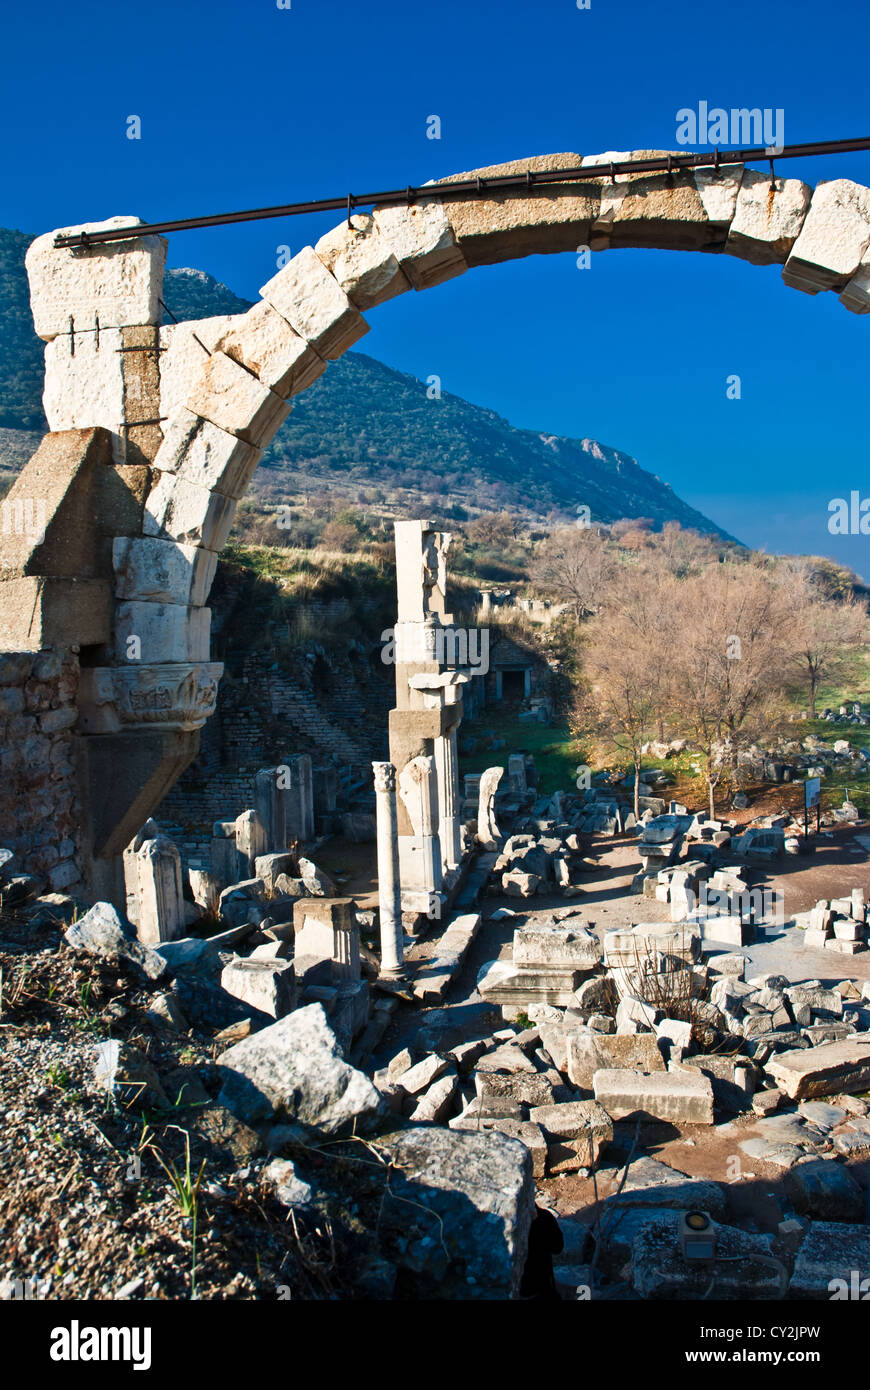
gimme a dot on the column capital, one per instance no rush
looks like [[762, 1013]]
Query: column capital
[[385, 777]]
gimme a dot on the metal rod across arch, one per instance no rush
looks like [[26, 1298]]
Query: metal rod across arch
[[476, 187]]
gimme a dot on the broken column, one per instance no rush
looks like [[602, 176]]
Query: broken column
[[389, 887], [488, 832], [152, 875], [250, 841], [284, 799]]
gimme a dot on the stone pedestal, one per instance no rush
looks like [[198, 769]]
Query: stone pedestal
[[420, 852], [488, 832]]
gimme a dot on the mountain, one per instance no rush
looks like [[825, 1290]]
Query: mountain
[[365, 432]]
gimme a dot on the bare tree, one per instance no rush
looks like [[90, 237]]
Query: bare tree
[[576, 565], [730, 653], [624, 654], [824, 630]]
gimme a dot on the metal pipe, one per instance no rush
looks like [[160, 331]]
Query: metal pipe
[[476, 187]]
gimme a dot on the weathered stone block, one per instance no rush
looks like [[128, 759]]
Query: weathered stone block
[[117, 283], [314, 304], [824, 1070], [833, 238], [269, 986], [209, 457], [363, 262], [293, 1071], [588, 1053], [162, 571], [503, 226], [235, 401], [158, 632], [263, 341], [423, 242], [767, 221], [679, 1097], [181, 511]]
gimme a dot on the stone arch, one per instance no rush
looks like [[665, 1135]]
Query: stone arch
[[156, 432]]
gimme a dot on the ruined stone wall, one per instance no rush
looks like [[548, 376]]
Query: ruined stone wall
[[41, 811]]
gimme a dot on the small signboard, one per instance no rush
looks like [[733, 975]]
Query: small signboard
[[812, 797]]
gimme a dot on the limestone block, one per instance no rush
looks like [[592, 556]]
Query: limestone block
[[423, 242], [681, 1097], [503, 226], [719, 192], [162, 571], [363, 262], [181, 511], [205, 455], [48, 513], [833, 239], [591, 1052], [561, 947], [269, 986], [85, 386], [263, 342], [165, 632], [767, 222], [184, 350], [293, 1071], [118, 283], [655, 209], [824, 1070], [314, 304], [36, 613], [856, 294], [317, 922], [234, 400]]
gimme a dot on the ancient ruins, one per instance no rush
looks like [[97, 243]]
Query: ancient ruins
[[578, 1035]]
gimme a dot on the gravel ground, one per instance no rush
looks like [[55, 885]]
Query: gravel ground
[[88, 1209]]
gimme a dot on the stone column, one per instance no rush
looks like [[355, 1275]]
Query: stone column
[[447, 770], [269, 803], [389, 887]]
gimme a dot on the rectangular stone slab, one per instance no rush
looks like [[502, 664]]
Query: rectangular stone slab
[[588, 1053], [824, 1070], [679, 1097]]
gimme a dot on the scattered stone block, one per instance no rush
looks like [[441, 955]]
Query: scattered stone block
[[588, 1053], [268, 986], [679, 1097], [100, 932], [293, 1071], [825, 1069], [825, 1191], [659, 1269], [477, 1192], [438, 1101], [417, 1079], [826, 1259]]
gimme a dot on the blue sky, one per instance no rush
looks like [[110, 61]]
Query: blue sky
[[243, 104]]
